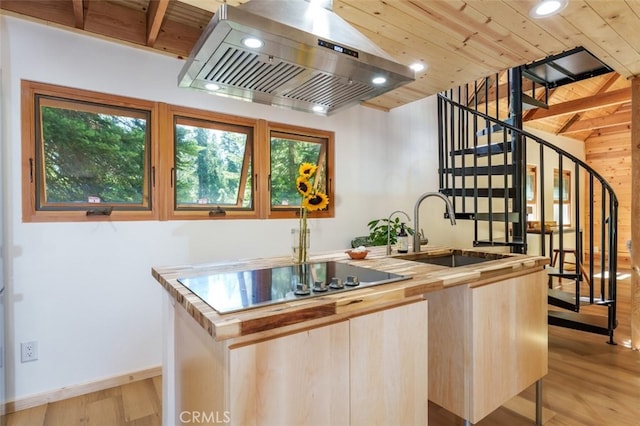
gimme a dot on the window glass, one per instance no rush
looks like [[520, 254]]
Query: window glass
[[566, 197], [212, 165], [91, 154], [566, 185], [531, 184], [288, 152]]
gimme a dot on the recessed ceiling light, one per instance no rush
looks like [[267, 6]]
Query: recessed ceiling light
[[547, 8], [212, 86], [379, 80], [417, 66], [318, 108], [253, 43]]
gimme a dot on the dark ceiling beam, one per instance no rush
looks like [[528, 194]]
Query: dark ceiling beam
[[155, 15]]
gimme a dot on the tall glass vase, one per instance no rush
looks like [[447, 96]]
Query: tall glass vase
[[300, 244]]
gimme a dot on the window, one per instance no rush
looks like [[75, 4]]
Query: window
[[562, 196], [531, 184], [531, 191], [289, 148], [90, 155], [212, 169]]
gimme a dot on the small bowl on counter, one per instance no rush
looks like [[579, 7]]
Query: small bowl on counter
[[357, 254]]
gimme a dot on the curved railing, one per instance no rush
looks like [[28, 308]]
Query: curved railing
[[492, 164]]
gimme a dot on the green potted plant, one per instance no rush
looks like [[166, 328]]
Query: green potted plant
[[378, 231]]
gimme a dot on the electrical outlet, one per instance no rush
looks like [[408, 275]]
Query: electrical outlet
[[29, 351]]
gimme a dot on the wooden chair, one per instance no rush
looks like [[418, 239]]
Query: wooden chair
[[562, 256]]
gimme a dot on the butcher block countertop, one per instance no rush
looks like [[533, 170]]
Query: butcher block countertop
[[311, 312]]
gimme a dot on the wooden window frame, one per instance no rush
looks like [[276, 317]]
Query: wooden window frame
[[172, 113], [30, 212], [310, 134], [161, 162]]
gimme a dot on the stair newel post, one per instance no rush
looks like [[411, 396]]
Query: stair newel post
[[541, 176], [518, 159]]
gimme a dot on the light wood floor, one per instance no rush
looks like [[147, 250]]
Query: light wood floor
[[133, 404], [590, 383]]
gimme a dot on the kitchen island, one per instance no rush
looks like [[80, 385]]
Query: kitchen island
[[368, 355]]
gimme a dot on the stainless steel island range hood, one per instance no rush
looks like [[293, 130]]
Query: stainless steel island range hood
[[305, 57]]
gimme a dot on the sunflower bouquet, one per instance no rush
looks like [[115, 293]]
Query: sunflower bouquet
[[312, 200]]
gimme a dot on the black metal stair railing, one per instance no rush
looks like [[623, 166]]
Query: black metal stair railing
[[502, 178]]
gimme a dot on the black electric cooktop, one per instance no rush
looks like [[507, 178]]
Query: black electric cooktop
[[235, 291]]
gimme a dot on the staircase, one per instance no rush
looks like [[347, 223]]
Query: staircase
[[526, 194]]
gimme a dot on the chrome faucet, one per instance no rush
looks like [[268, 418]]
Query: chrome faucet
[[389, 229], [416, 235]]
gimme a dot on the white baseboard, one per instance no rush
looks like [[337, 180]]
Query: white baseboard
[[80, 389]]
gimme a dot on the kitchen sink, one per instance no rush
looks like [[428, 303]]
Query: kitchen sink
[[452, 259]]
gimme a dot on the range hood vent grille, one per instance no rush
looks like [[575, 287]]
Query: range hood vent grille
[[246, 70], [299, 66], [328, 90]]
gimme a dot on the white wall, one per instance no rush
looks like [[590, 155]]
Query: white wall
[[84, 291], [2, 223], [572, 146]]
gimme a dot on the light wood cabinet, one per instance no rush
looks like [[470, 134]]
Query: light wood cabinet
[[369, 369], [486, 343]]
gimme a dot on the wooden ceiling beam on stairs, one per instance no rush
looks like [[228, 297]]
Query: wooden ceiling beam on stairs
[[598, 122], [602, 100]]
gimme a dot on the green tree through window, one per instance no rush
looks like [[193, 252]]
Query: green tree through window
[[288, 151], [92, 154], [213, 164]]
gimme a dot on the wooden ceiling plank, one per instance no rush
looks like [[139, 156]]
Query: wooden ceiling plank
[[188, 15], [457, 37], [155, 15], [608, 132], [479, 23], [116, 21], [620, 16], [211, 5], [177, 38], [520, 24], [413, 40], [78, 13], [598, 101], [59, 12], [598, 37]]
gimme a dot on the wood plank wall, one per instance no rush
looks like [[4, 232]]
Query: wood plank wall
[[635, 213], [610, 155]]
